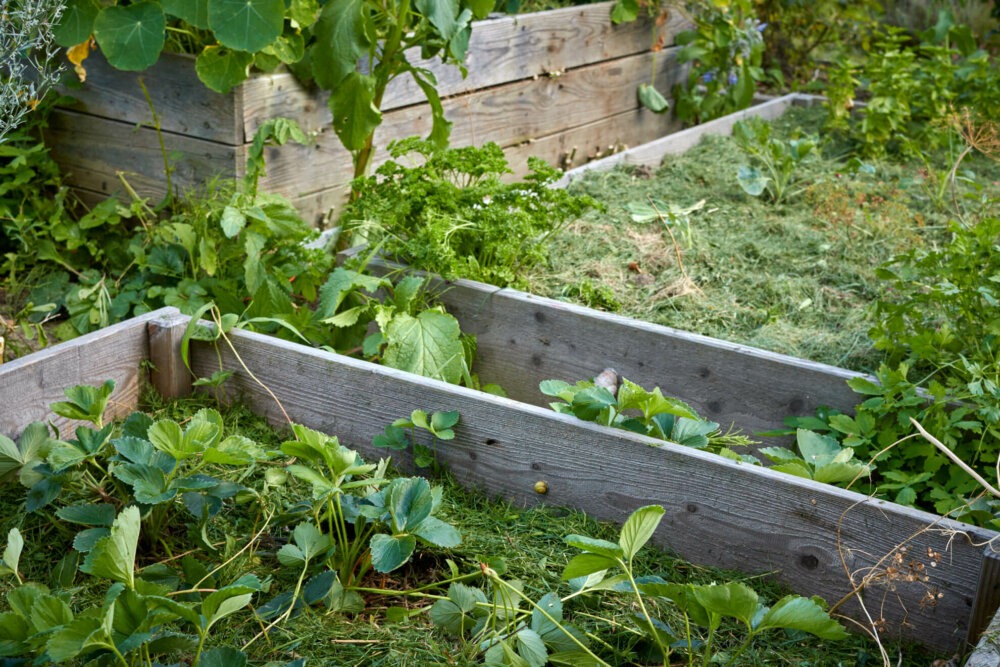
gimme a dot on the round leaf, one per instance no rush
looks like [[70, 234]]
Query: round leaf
[[131, 37], [220, 69], [246, 25], [76, 23]]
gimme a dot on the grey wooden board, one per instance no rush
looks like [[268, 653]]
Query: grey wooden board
[[30, 384], [501, 50], [508, 115], [987, 651], [523, 339], [651, 154], [91, 150], [182, 102], [718, 512]]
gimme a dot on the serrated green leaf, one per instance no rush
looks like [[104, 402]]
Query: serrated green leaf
[[225, 602], [222, 656], [531, 647], [594, 545], [586, 564], [589, 403], [410, 502], [638, 528], [428, 344], [113, 557], [797, 613], [355, 115], [733, 599], [435, 531], [49, 612], [100, 514], [131, 37], [653, 99], [246, 25], [390, 552]]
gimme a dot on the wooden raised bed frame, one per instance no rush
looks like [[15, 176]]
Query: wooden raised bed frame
[[560, 85], [719, 513]]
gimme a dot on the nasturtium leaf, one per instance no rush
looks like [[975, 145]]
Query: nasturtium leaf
[[76, 23], [131, 37], [585, 564], [289, 48], [340, 40], [653, 99], [221, 69], [428, 344], [638, 528], [733, 599], [797, 613], [752, 180], [303, 12], [246, 25], [437, 532], [390, 552], [113, 557], [194, 12]]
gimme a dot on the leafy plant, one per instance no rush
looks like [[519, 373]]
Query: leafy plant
[[628, 406], [822, 459], [440, 425], [453, 215], [777, 163], [724, 51]]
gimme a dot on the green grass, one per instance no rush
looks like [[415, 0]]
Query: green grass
[[528, 542], [793, 278]]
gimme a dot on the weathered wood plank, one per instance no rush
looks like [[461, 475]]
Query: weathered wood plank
[[523, 339], [509, 115], [30, 384], [168, 374], [180, 99], [501, 50], [91, 150], [652, 153], [987, 652], [719, 513]]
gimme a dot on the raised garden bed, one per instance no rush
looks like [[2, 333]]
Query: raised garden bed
[[559, 85], [718, 512]]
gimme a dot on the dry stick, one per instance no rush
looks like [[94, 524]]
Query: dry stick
[[954, 459]]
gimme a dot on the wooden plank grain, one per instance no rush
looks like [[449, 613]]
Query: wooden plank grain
[[718, 512], [501, 50], [92, 150], [182, 102], [508, 115], [30, 384], [523, 339]]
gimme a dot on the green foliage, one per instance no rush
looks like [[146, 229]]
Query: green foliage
[[913, 92], [628, 406], [454, 216], [776, 163], [822, 459], [440, 426], [724, 51]]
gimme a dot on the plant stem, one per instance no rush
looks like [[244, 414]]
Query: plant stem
[[167, 169], [664, 650]]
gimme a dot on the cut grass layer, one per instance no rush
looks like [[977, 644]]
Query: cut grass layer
[[794, 278], [528, 541]]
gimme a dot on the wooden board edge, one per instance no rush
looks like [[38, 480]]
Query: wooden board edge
[[168, 373]]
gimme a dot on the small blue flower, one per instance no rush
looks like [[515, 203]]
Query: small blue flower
[[733, 78], [760, 28], [708, 76]]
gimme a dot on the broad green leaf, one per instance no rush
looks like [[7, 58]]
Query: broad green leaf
[[71, 639], [355, 115], [585, 564], [341, 39], [178, 609], [76, 23], [817, 450], [246, 25], [390, 552], [656, 403], [733, 599], [290, 555], [131, 37], [839, 473], [591, 402], [797, 468], [752, 180], [30, 450], [531, 647], [437, 532], [312, 542], [303, 12], [797, 613], [442, 14], [410, 502], [778, 454], [222, 656], [100, 514], [85, 402], [653, 99], [233, 221], [12, 552], [625, 11], [194, 12], [863, 385], [552, 605], [235, 450], [558, 389], [458, 613], [14, 630], [638, 528], [50, 612], [166, 435], [346, 318], [85, 540], [113, 557], [440, 125], [428, 344], [442, 421], [226, 601], [340, 284], [221, 69], [594, 545]]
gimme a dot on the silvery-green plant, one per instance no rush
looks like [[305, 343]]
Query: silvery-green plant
[[28, 63]]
